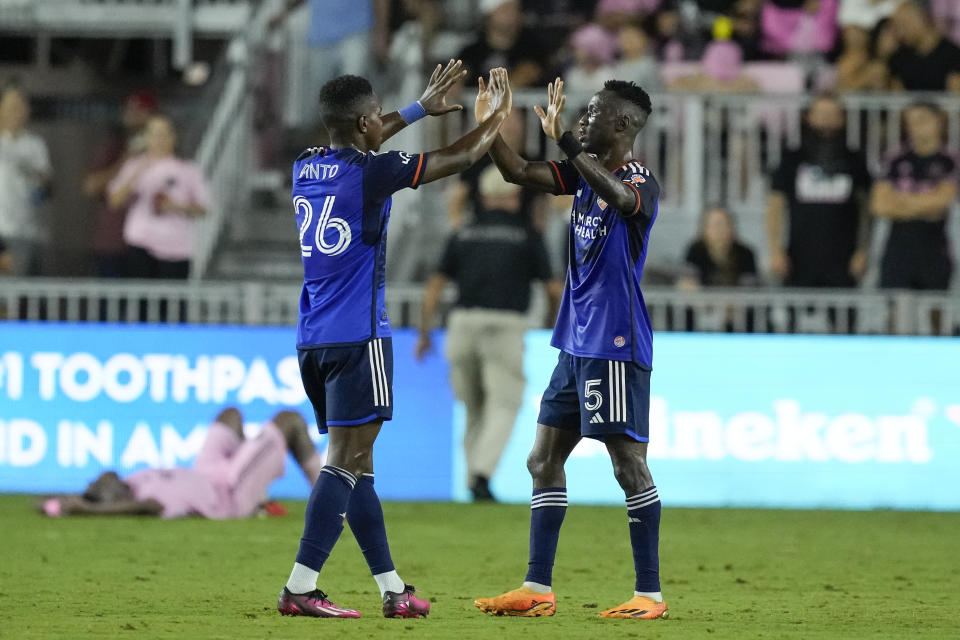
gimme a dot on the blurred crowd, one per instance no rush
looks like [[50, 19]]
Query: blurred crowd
[[822, 199]]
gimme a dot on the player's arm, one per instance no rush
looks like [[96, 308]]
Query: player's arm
[[623, 197], [433, 102], [468, 149], [431, 300], [542, 176]]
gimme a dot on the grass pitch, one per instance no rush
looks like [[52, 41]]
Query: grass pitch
[[726, 574]]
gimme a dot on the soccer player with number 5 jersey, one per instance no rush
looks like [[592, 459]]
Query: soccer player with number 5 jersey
[[600, 387], [341, 196]]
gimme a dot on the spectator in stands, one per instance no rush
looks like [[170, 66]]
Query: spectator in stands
[[493, 261], [636, 62], [124, 142], [864, 14], [594, 50], [916, 194], [6, 259], [164, 194], [24, 175], [229, 478], [612, 14], [342, 35], [665, 28], [925, 61], [721, 69], [798, 27], [946, 13], [505, 43], [717, 258], [745, 15], [821, 187], [864, 63]]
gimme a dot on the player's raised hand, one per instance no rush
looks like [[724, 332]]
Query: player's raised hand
[[550, 119], [434, 98], [482, 107], [498, 95]]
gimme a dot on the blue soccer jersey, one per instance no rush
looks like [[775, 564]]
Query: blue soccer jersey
[[342, 203], [602, 314]]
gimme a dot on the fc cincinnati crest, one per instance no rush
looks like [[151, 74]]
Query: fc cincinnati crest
[[619, 341], [638, 179]]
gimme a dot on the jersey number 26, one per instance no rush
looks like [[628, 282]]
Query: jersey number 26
[[323, 223]]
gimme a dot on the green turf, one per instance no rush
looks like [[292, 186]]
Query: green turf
[[727, 574]]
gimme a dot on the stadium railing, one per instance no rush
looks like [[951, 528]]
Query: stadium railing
[[179, 20], [276, 303]]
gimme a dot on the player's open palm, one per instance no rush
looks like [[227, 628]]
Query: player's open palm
[[493, 94], [434, 98], [550, 119]]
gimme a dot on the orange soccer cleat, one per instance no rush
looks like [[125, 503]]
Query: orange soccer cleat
[[519, 602], [639, 608]]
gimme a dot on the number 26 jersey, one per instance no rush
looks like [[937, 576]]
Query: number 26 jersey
[[342, 203]]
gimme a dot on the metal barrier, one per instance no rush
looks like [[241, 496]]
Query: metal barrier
[[277, 303]]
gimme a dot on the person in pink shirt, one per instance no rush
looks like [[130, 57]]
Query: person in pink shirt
[[163, 195], [229, 478], [797, 27]]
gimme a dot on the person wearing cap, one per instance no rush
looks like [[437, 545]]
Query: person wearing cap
[[125, 140], [493, 261]]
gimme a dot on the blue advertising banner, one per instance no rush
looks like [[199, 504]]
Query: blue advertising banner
[[777, 421], [761, 421], [79, 399]]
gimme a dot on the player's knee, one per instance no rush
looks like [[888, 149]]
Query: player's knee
[[632, 474], [541, 466]]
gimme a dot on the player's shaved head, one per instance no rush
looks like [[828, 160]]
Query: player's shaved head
[[633, 101], [343, 100]]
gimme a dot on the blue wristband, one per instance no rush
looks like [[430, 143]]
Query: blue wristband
[[412, 112]]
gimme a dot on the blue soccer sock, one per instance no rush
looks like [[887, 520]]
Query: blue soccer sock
[[643, 511], [326, 509], [547, 509], [365, 517]]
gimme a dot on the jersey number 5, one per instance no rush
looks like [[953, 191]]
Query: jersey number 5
[[593, 398], [337, 224]]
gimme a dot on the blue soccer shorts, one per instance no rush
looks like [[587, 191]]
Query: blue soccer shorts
[[598, 398], [349, 385]]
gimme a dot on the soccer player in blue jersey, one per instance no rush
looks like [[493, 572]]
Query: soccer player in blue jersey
[[601, 385], [341, 194]]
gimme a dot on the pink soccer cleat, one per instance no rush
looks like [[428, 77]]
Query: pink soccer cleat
[[405, 604], [314, 604]]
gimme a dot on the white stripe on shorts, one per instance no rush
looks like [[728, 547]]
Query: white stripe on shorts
[[383, 374], [373, 374]]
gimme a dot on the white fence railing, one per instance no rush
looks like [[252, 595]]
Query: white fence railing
[[276, 303], [179, 20]]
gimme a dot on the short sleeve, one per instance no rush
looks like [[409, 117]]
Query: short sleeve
[[126, 172], [448, 262], [565, 177], [387, 173], [638, 177]]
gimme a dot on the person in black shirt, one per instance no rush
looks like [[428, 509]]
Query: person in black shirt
[[493, 261], [821, 187], [717, 258], [925, 61], [504, 43], [916, 196]]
